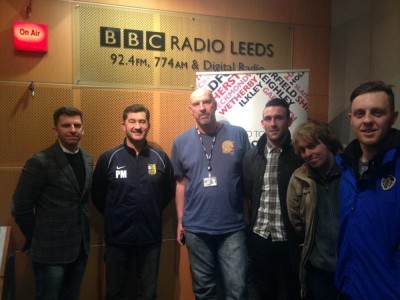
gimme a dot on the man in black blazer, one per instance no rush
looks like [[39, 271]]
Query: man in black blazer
[[50, 205]]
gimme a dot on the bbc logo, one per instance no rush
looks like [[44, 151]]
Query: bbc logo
[[133, 39]]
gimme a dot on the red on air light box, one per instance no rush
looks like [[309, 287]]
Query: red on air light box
[[30, 36]]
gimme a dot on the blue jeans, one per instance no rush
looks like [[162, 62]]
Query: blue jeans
[[210, 253], [119, 260], [56, 282]]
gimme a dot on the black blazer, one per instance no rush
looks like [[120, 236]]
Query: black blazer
[[50, 209]]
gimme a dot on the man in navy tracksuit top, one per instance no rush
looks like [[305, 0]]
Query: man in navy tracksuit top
[[132, 184]]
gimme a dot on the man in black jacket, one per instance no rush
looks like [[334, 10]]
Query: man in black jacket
[[272, 243], [50, 206]]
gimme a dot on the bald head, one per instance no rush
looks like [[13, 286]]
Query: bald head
[[200, 93], [202, 107]]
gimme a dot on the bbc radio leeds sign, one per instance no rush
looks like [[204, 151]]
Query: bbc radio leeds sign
[[127, 46], [118, 38], [241, 96], [157, 41]]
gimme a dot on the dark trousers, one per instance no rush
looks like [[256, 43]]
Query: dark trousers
[[271, 274], [59, 281], [322, 284], [119, 261]]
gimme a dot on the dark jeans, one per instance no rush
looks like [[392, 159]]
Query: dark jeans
[[119, 260], [271, 274], [59, 282], [322, 284]]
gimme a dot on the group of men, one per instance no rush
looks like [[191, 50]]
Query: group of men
[[249, 217]]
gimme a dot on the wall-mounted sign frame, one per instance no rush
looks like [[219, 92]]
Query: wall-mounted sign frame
[[137, 48]]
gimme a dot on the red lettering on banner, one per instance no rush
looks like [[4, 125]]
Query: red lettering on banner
[[301, 90], [223, 110], [279, 87], [293, 116], [268, 93], [302, 102], [242, 96], [220, 90], [223, 93], [201, 81], [297, 77], [288, 76]]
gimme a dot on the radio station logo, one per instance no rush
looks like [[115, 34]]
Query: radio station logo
[[157, 41], [134, 39]]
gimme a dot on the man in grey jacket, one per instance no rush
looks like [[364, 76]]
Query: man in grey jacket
[[50, 206]]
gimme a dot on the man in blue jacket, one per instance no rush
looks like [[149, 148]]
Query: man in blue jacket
[[368, 264], [132, 184]]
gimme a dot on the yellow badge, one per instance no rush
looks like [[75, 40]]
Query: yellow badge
[[152, 169], [388, 182], [228, 147]]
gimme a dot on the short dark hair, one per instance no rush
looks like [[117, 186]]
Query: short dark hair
[[374, 86], [278, 102], [314, 131], [66, 111], [136, 108]]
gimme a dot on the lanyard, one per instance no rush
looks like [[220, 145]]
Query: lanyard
[[208, 156]]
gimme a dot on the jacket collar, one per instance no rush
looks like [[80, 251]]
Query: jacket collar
[[132, 151], [353, 152], [263, 141]]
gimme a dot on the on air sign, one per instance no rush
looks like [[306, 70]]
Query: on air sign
[[30, 36]]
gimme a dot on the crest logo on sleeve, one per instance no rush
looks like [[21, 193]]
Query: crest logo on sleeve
[[151, 168], [228, 147], [388, 182]]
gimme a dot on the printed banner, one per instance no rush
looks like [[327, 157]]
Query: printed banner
[[241, 96]]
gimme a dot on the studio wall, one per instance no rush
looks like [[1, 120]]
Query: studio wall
[[26, 120], [365, 47]]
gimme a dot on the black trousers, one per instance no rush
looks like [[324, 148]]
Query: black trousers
[[119, 261], [271, 274]]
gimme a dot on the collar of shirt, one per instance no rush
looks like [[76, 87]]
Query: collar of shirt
[[269, 150], [65, 150]]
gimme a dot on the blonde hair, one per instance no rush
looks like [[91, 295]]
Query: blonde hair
[[316, 132]]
